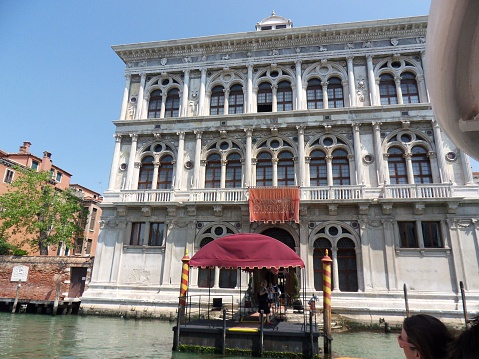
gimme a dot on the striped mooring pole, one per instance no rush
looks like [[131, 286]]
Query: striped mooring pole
[[327, 302], [184, 281]]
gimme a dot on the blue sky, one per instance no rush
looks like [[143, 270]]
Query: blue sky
[[62, 85]]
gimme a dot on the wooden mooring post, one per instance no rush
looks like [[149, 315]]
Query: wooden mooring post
[[408, 313], [464, 307], [15, 302], [327, 302]]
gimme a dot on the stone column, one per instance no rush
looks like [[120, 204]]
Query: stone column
[[184, 98], [223, 173], [248, 159], [325, 94], [115, 163], [126, 96], [298, 104], [335, 272], [443, 173], [302, 165], [457, 253], [227, 101], [139, 108], [154, 181], [201, 100], [136, 173], [329, 169], [409, 169], [422, 89], [366, 256], [371, 80], [352, 82], [131, 161], [466, 168], [163, 104], [122, 233], [397, 81], [307, 171], [357, 154], [423, 62], [249, 104], [180, 159], [274, 90], [275, 171], [146, 238], [196, 172], [391, 276], [378, 152], [420, 236]]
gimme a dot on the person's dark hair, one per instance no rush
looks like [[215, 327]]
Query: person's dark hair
[[428, 335], [466, 345]]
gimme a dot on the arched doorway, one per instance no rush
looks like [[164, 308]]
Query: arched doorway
[[347, 270], [339, 240], [287, 279]]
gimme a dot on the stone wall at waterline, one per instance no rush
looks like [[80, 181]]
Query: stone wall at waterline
[[39, 276]]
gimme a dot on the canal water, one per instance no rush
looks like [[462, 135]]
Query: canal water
[[72, 337]]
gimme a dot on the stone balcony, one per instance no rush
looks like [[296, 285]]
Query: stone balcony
[[446, 191]]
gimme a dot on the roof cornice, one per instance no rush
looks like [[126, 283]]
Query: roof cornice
[[261, 40]]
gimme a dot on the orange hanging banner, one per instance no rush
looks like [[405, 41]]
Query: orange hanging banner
[[274, 204]]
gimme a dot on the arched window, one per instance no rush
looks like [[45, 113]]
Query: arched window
[[206, 276], [397, 166], [233, 171], [285, 169], [146, 173], [264, 170], [217, 103], [335, 93], [172, 105], [410, 93], [154, 107], [387, 90], [165, 172], [340, 167], [318, 169], [265, 98], [284, 96], [213, 171], [236, 100], [320, 247], [314, 94], [347, 269], [421, 167]]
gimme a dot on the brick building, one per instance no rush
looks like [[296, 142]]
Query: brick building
[[61, 179]]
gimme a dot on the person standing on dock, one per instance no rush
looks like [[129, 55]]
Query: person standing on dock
[[263, 301]]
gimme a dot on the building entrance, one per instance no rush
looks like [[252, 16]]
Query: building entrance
[[287, 279]]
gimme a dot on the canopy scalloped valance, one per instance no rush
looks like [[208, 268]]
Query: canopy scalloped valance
[[246, 251]]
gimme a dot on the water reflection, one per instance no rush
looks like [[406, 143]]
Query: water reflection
[[68, 337]]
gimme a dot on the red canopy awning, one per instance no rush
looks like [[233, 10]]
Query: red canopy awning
[[246, 251]]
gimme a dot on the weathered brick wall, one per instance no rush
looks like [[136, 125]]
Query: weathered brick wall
[[42, 273]]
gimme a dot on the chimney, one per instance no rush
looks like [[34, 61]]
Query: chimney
[[46, 161], [25, 149]]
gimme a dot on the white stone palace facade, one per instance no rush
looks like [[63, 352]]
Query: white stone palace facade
[[340, 111]]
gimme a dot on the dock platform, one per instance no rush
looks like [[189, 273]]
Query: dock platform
[[248, 337]]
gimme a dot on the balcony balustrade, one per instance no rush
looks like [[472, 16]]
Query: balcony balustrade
[[429, 190], [325, 193]]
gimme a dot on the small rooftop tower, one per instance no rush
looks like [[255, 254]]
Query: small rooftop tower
[[274, 22]]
